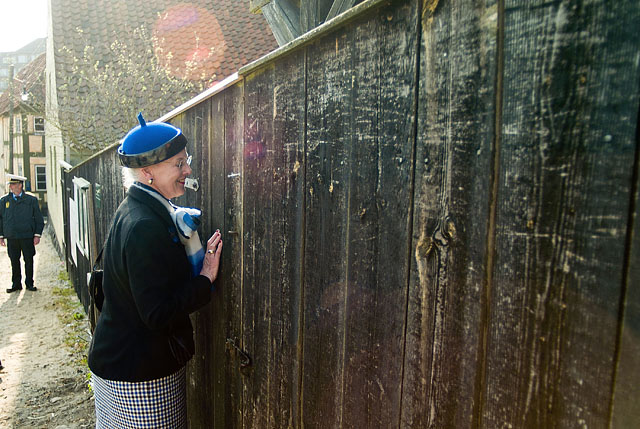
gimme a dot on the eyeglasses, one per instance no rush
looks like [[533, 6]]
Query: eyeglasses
[[181, 163]]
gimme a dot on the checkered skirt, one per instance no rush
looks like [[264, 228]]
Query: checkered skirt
[[157, 403]]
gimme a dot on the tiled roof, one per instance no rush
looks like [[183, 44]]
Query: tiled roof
[[38, 45], [218, 36], [32, 78]]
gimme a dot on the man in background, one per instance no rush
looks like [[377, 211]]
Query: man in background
[[21, 225]]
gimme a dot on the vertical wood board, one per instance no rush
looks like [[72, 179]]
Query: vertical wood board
[[313, 13], [562, 210], [329, 105], [379, 199], [196, 129], [233, 282], [625, 410], [219, 362], [258, 160], [272, 202], [452, 193]]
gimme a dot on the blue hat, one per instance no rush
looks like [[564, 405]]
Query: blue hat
[[148, 144]]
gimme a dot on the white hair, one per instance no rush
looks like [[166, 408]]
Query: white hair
[[130, 175]]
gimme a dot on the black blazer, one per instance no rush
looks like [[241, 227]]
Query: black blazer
[[21, 218], [149, 294]]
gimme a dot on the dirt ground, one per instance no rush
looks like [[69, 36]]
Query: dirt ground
[[43, 341]]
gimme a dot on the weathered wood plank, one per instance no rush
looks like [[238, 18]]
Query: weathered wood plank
[[212, 188], [211, 180], [327, 184], [200, 387], [626, 413], [380, 153], [257, 203], [185, 122], [340, 6], [228, 292], [313, 13], [287, 231], [283, 19], [562, 211], [272, 195], [452, 188], [109, 177], [625, 410], [289, 126]]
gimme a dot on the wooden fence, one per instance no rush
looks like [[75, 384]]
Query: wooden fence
[[429, 211]]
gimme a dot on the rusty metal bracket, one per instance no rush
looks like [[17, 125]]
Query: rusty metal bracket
[[245, 359]]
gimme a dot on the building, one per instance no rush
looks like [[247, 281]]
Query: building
[[22, 127], [19, 59]]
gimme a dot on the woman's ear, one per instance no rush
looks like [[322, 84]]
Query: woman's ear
[[146, 173]]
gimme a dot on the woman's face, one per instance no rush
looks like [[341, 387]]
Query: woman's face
[[168, 176]]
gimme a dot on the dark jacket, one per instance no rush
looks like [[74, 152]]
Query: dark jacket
[[21, 218], [149, 294]]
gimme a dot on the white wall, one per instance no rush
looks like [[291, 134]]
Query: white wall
[[55, 147]]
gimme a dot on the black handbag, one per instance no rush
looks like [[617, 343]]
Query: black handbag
[[179, 349], [95, 283]]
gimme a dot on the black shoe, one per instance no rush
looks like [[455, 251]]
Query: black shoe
[[14, 289], [32, 288]]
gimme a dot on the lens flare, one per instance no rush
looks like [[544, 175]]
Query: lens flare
[[189, 42]]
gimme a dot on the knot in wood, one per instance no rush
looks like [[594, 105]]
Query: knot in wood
[[429, 8], [440, 238], [444, 232]]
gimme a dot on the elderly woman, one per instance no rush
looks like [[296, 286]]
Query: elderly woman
[[144, 338]]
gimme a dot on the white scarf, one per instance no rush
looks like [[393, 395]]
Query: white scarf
[[186, 220]]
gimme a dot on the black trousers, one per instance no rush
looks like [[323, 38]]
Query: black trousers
[[15, 247]]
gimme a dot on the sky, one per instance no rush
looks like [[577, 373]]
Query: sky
[[21, 22]]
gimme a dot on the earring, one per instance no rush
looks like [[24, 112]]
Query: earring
[[151, 181]]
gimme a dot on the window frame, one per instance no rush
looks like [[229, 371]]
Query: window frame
[[42, 167], [81, 191], [36, 131]]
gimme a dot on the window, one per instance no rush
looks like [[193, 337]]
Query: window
[[38, 125], [18, 125], [23, 59], [41, 177], [81, 187]]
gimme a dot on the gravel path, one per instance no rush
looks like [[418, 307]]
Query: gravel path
[[43, 383]]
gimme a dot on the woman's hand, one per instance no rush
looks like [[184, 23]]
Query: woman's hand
[[212, 254]]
